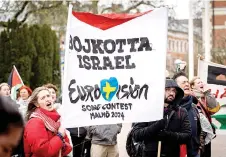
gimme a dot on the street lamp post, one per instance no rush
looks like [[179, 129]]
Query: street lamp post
[[207, 31], [191, 43]]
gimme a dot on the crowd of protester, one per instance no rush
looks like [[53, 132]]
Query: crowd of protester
[[31, 125]]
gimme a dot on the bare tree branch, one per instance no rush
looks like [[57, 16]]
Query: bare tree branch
[[106, 9], [135, 6], [25, 8], [25, 3], [39, 9], [4, 6], [3, 24]]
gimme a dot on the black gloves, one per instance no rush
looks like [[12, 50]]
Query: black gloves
[[163, 135], [155, 127], [162, 123], [168, 135]]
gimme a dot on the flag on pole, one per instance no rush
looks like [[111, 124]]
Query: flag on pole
[[15, 82]]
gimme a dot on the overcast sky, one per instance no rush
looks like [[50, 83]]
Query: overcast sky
[[181, 8]]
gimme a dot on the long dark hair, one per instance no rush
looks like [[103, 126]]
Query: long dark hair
[[33, 100], [9, 115]]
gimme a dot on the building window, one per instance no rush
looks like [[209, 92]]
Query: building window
[[182, 46], [172, 46], [179, 46], [175, 46]]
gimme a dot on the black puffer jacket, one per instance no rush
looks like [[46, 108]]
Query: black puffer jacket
[[178, 130]]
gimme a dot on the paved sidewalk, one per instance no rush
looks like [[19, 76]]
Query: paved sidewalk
[[122, 139], [218, 146]]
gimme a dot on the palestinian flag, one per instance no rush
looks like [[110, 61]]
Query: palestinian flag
[[214, 75], [15, 82]]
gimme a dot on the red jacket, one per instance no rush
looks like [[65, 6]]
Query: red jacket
[[40, 142]]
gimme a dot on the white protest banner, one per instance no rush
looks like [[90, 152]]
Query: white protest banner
[[215, 76], [114, 68]]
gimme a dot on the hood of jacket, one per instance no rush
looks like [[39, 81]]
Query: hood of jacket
[[180, 93]]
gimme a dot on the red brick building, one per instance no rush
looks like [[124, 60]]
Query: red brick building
[[218, 23], [178, 42]]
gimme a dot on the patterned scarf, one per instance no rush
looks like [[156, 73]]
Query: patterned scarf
[[50, 124]]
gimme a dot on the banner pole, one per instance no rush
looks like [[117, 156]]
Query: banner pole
[[159, 149]]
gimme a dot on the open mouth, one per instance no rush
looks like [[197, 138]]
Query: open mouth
[[49, 104], [186, 88], [170, 97]]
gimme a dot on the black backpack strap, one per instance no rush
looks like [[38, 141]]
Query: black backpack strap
[[168, 119], [196, 110], [179, 112]]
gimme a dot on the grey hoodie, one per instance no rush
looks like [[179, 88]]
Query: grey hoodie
[[104, 134]]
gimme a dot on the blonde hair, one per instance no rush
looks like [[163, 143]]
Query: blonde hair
[[50, 85], [192, 82], [33, 100], [4, 84]]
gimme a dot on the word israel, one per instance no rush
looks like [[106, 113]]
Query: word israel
[[108, 88], [109, 46]]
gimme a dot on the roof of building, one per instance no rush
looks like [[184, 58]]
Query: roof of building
[[182, 26]]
